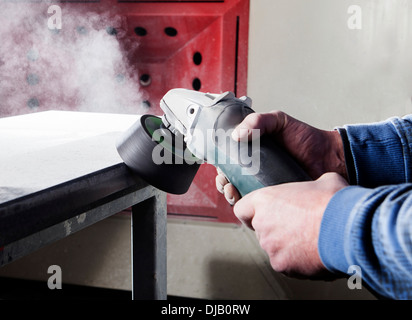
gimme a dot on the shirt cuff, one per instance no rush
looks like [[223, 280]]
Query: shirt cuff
[[377, 154], [335, 228]]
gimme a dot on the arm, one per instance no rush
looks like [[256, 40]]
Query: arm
[[379, 153], [371, 227], [305, 227]]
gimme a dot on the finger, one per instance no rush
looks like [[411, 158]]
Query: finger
[[219, 171], [244, 210], [231, 194], [263, 122], [221, 181]]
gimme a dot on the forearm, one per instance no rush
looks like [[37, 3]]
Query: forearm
[[370, 228], [368, 225]]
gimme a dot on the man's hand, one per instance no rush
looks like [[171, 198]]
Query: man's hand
[[286, 219], [317, 151]]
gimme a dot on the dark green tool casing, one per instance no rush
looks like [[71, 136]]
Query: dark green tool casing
[[267, 164]]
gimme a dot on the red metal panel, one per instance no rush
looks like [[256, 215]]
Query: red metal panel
[[199, 45], [208, 52]]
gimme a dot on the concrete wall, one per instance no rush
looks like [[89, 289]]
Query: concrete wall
[[303, 59]]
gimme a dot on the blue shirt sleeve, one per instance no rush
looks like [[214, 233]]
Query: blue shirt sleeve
[[381, 152], [370, 224]]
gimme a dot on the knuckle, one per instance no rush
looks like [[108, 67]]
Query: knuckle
[[267, 245], [253, 120], [278, 113], [278, 264], [240, 214]]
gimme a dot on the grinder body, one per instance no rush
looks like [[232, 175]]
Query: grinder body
[[200, 124], [207, 121]]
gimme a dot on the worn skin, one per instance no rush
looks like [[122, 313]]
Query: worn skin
[[286, 218]]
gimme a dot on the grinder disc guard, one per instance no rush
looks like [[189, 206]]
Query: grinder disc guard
[[136, 147]]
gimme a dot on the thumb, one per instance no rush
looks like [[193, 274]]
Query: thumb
[[256, 124], [241, 133]]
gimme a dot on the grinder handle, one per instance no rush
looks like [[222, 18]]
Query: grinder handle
[[273, 165]]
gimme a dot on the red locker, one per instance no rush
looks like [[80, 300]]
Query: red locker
[[200, 45]]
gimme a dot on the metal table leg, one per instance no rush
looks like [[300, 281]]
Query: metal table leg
[[149, 259]]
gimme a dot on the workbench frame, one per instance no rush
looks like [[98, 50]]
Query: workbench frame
[[34, 220]]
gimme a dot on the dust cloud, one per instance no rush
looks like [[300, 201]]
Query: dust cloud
[[81, 66]]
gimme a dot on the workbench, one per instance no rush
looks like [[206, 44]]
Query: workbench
[[59, 173]]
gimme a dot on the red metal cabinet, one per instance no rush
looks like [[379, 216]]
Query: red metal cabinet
[[200, 45]]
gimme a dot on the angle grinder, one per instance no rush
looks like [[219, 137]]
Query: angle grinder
[[196, 128]]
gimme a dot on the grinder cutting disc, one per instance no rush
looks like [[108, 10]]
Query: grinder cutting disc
[[139, 146]]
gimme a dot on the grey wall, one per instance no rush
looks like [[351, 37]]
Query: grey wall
[[305, 60]]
